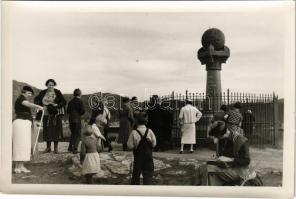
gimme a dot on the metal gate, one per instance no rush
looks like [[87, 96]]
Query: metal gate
[[264, 108]]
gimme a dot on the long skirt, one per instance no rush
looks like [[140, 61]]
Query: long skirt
[[52, 127], [21, 140], [91, 163], [188, 134]]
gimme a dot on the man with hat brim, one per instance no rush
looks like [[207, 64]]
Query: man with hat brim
[[188, 116], [233, 164]]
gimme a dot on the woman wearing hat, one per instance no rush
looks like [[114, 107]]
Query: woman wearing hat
[[21, 133], [54, 102]]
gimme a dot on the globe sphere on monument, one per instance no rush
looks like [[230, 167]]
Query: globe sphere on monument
[[215, 37]]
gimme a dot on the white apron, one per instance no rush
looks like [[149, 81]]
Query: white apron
[[21, 140], [188, 134]]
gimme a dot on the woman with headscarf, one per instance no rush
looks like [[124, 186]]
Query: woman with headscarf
[[126, 121], [21, 133], [234, 118], [54, 103]]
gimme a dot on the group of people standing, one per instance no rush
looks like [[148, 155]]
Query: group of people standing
[[160, 121], [140, 130]]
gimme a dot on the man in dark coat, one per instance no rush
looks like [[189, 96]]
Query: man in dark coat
[[75, 110], [156, 121], [248, 123], [167, 127]]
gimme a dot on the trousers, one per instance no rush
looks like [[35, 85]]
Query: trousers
[[75, 134], [211, 175], [144, 166]]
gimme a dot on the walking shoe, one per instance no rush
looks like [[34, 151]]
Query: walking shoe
[[75, 151], [23, 169], [56, 150], [181, 152], [47, 150], [70, 149], [191, 151], [17, 170]]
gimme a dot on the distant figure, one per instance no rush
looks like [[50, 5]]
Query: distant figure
[[234, 118], [135, 105], [126, 121], [248, 123], [135, 108], [168, 120], [89, 154], [188, 116], [21, 129], [54, 104], [156, 121], [101, 117], [75, 110], [142, 140]]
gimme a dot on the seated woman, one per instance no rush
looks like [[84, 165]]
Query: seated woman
[[233, 164]]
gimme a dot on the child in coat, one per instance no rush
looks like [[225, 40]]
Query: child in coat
[[142, 140], [89, 153]]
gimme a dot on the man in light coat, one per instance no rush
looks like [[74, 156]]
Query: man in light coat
[[188, 116]]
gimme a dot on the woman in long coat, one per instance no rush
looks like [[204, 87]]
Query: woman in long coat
[[126, 121], [54, 102]]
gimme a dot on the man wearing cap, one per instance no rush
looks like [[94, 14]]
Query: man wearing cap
[[233, 164], [188, 116]]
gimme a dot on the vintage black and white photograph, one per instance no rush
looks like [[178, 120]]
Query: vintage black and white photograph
[[159, 98]]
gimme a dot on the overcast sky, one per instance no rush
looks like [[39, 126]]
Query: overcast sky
[[126, 53]]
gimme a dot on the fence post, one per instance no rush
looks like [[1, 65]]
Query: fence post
[[227, 96], [277, 138]]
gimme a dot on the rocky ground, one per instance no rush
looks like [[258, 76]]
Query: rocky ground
[[171, 168]]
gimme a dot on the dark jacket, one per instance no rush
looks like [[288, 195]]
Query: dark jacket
[[155, 120], [75, 110], [239, 150], [59, 100], [219, 116]]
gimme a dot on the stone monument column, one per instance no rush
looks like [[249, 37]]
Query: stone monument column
[[212, 54]]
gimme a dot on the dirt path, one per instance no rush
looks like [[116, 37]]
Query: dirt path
[[54, 169]]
